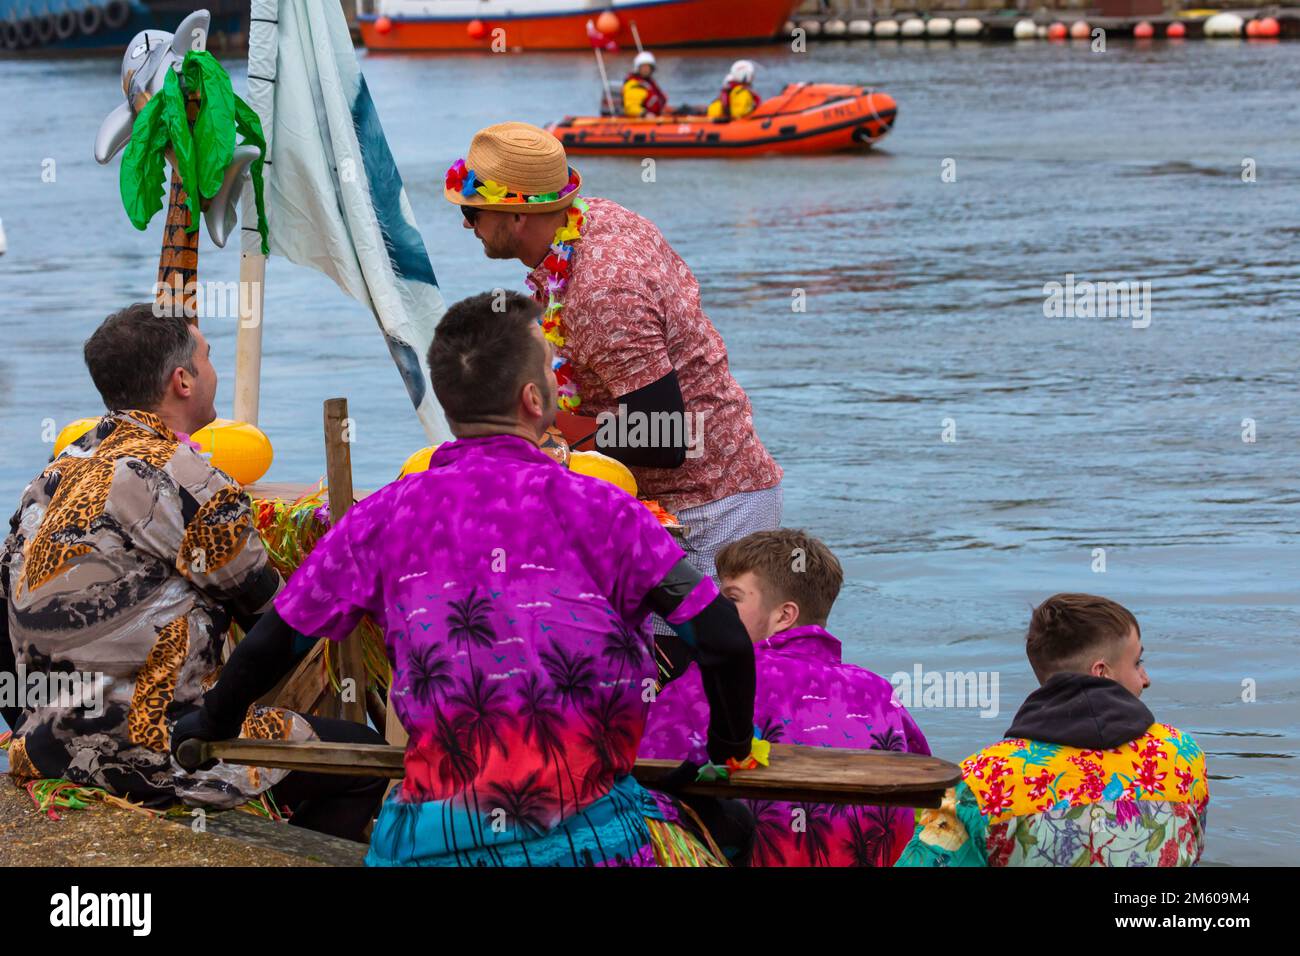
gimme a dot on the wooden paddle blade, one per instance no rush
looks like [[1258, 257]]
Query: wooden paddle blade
[[315, 756], [800, 774], [796, 774]]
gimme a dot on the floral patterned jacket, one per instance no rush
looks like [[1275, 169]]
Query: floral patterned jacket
[[1071, 801]]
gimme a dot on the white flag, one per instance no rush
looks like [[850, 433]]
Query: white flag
[[334, 197]]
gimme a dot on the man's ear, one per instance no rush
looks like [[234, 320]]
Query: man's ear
[[1099, 669], [531, 396], [789, 615], [178, 385]]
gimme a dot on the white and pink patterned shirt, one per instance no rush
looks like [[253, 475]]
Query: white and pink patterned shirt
[[631, 315]]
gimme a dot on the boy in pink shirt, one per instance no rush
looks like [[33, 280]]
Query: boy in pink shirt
[[784, 583]]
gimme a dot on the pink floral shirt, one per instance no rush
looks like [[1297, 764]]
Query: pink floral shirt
[[631, 315]]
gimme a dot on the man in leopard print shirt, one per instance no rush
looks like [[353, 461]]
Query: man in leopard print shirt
[[128, 558]]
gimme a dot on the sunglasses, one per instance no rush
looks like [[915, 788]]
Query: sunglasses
[[470, 214]]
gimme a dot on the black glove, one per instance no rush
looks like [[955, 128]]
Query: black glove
[[673, 782], [197, 725]]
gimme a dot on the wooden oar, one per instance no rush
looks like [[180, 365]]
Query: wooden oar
[[796, 774]]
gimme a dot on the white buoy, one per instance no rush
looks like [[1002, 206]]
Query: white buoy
[[1026, 30], [4, 243], [811, 27], [967, 27], [788, 28], [1224, 25], [912, 27], [1042, 32], [887, 29], [835, 28], [938, 26], [860, 28]]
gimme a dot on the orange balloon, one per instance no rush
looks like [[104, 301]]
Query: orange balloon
[[607, 23], [476, 29], [383, 25]]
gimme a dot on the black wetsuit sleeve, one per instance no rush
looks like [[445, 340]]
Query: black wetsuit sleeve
[[8, 665], [266, 654], [665, 446], [717, 639]]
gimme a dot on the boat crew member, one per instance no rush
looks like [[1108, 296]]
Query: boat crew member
[[1086, 775], [514, 596], [639, 357], [805, 694], [738, 98], [641, 94], [127, 560]]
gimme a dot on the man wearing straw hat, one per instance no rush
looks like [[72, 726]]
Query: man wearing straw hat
[[636, 354]]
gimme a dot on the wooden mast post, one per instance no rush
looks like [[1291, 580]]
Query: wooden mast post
[[349, 660], [248, 337]]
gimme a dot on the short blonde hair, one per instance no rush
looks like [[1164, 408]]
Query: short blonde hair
[[792, 565]]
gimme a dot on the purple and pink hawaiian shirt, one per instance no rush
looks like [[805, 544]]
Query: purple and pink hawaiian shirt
[[806, 695], [512, 595]]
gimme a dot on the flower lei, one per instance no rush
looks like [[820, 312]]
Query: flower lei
[[464, 180], [556, 267]]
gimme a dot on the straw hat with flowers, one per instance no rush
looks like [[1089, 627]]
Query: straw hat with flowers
[[513, 167]]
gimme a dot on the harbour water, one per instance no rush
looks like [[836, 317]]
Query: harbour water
[[924, 321]]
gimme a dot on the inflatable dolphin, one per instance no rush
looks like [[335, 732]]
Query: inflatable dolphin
[[144, 70]]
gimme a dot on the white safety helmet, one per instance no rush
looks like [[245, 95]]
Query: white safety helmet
[[642, 58], [742, 71]]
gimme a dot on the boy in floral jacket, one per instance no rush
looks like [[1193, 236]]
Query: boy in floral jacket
[[1086, 776]]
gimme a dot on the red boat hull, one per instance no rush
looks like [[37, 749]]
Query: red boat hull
[[660, 23]]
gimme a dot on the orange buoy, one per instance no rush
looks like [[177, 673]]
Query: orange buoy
[[476, 29], [1056, 31], [383, 25], [240, 450], [607, 23], [1143, 31], [1252, 28], [419, 461], [596, 465], [1269, 27], [71, 432], [1079, 30], [1175, 31]]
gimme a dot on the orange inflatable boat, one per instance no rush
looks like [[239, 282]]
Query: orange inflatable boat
[[802, 118]]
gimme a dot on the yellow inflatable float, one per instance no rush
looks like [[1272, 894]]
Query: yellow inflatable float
[[591, 463], [240, 450]]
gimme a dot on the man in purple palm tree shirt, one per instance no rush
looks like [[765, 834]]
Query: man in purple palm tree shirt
[[514, 596]]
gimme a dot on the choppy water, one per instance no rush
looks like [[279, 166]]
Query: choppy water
[[924, 303]]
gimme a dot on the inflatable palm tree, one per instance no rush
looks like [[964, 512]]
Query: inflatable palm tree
[[180, 109]]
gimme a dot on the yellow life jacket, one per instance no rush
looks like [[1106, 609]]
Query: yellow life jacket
[[635, 94], [741, 100]]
